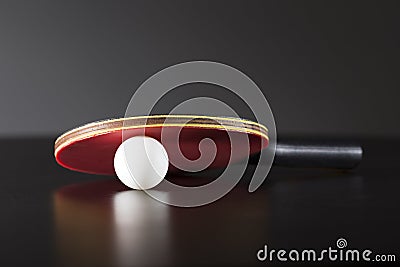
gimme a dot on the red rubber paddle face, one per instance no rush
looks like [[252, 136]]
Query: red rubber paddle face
[[95, 154]]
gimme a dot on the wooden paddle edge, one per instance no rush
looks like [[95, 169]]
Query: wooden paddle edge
[[111, 125]]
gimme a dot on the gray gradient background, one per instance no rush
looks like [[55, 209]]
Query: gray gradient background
[[326, 67]]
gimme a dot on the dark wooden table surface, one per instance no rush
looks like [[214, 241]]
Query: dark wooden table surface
[[56, 217]]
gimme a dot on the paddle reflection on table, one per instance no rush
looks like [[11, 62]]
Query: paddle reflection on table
[[102, 223]]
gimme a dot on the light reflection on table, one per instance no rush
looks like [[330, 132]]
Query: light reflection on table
[[101, 223]]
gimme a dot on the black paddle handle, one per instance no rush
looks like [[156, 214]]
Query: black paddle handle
[[305, 154]]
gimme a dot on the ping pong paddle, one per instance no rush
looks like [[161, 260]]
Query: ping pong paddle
[[91, 147]]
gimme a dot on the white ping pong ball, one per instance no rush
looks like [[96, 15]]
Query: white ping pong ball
[[141, 162]]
